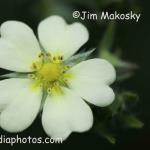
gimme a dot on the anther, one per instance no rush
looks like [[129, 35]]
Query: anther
[[60, 57], [48, 54], [63, 71], [67, 67], [54, 58], [34, 66], [48, 90], [56, 84], [31, 76], [41, 55]]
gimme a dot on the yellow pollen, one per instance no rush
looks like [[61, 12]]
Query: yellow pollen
[[49, 72]]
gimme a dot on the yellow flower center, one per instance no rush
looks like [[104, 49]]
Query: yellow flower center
[[50, 73]]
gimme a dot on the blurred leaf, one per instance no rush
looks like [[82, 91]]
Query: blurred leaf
[[120, 103], [79, 57], [115, 59], [116, 105], [106, 45], [124, 76], [132, 122], [107, 40], [103, 131], [129, 96], [124, 69]]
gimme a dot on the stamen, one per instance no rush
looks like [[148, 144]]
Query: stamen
[[54, 58], [66, 68], [41, 55], [49, 90], [34, 66], [63, 71], [31, 76], [48, 54], [60, 58], [50, 73]]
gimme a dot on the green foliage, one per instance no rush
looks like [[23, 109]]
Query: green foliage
[[117, 116], [131, 121], [124, 69], [121, 102], [107, 40], [104, 132]]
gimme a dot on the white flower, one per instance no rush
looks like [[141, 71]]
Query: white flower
[[65, 109]]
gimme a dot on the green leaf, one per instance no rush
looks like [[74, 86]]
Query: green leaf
[[107, 40], [121, 102], [106, 45], [129, 96], [124, 76], [117, 62], [132, 122], [124, 69], [116, 106], [78, 58], [103, 131]]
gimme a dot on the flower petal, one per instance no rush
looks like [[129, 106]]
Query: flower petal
[[19, 105], [58, 37], [18, 46], [66, 113], [91, 79]]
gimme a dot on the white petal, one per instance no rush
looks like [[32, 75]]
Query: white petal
[[18, 46], [91, 79], [19, 104], [65, 114], [58, 37]]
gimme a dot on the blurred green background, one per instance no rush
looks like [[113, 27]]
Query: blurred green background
[[133, 39]]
